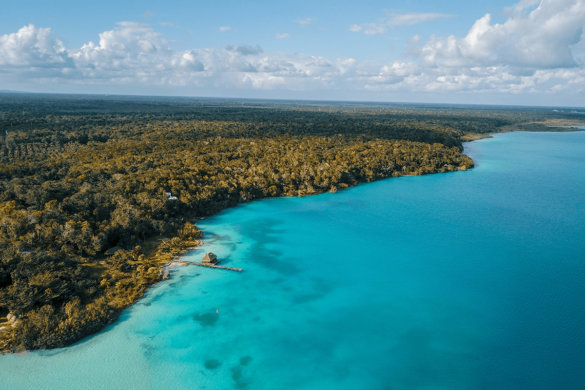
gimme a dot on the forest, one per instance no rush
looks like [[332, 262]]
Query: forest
[[98, 193]]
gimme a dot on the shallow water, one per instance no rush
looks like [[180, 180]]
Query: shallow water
[[466, 280]]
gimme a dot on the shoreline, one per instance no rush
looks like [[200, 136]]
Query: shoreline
[[180, 247], [173, 264], [197, 326], [171, 250], [544, 127]]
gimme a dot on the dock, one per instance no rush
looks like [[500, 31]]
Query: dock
[[217, 266], [166, 270]]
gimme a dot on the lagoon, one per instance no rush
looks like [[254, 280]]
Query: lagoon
[[465, 280]]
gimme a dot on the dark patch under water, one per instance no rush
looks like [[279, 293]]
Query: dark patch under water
[[212, 364], [206, 319]]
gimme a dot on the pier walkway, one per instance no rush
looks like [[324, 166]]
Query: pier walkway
[[217, 266]]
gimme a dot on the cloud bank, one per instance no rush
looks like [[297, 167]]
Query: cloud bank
[[136, 53], [541, 38], [539, 48]]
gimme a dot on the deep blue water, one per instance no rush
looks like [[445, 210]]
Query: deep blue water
[[466, 280]]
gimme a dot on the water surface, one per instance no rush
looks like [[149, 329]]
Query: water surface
[[466, 280]]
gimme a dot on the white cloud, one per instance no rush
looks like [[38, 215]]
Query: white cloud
[[540, 38], [129, 50], [411, 76], [187, 60], [305, 21], [521, 7], [134, 53], [224, 28], [395, 20], [32, 47], [538, 49], [282, 36], [129, 41]]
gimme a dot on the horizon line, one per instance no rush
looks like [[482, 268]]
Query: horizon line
[[297, 100]]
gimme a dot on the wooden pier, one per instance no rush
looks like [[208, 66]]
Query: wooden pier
[[217, 266]]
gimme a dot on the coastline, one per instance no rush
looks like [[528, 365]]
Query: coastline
[[169, 252], [173, 264], [556, 126], [157, 264], [173, 348], [312, 165]]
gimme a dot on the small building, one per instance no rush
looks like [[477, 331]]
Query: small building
[[210, 258], [170, 196]]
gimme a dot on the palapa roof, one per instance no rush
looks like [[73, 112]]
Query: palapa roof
[[209, 258]]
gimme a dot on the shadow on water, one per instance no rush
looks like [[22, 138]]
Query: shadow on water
[[240, 382], [320, 289], [206, 319], [262, 232], [421, 362], [212, 364], [148, 350]]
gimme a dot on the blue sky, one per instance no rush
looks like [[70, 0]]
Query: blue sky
[[524, 52]]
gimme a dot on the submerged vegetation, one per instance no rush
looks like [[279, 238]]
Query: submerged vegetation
[[97, 194]]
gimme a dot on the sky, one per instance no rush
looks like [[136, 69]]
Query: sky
[[526, 52]]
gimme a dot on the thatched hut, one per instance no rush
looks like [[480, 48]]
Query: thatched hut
[[210, 258]]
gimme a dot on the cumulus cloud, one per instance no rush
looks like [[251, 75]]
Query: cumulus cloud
[[135, 53], [395, 20], [539, 48], [32, 47], [187, 60], [129, 50], [540, 37], [224, 28], [129, 42], [282, 36]]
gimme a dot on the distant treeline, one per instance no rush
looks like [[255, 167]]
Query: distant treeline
[[97, 194]]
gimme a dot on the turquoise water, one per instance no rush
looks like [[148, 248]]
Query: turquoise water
[[466, 280]]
